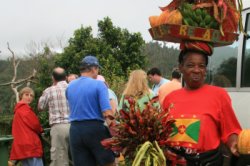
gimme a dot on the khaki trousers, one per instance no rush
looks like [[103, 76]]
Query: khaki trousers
[[59, 144]]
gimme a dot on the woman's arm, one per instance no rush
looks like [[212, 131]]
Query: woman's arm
[[232, 144]]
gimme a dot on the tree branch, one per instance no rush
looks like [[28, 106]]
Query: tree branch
[[15, 84], [30, 77], [14, 62]]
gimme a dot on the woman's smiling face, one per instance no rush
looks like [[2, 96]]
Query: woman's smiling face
[[193, 69]]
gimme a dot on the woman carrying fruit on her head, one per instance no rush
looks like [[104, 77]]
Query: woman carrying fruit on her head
[[203, 113]]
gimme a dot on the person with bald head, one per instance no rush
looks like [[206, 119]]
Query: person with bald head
[[54, 98]]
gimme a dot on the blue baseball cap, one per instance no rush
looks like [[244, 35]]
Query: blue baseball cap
[[90, 61]]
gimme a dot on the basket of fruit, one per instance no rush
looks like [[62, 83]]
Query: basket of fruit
[[212, 21]]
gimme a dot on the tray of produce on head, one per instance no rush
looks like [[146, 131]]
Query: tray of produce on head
[[208, 22], [178, 33]]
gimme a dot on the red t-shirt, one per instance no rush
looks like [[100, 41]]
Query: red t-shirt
[[204, 117]]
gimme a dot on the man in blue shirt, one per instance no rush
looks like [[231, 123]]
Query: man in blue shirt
[[89, 108], [154, 76]]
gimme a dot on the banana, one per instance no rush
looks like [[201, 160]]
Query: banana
[[214, 25], [203, 14], [186, 22], [198, 12], [196, 24], [208, 19], [203, 24], [193, 16], [190, 21], [185, 13], [188, 5], [197, 18]]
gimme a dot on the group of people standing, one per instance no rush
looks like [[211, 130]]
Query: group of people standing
[[23, 128], [80, 112], [76, 111]]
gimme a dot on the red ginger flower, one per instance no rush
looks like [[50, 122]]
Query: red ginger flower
[[134, 127]]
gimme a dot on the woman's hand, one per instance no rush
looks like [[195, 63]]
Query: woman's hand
[[109, 117], [232, 144]]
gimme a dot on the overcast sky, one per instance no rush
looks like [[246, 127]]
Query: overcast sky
[[25, 21]]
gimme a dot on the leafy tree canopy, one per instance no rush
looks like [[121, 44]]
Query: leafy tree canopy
[[118, 50]]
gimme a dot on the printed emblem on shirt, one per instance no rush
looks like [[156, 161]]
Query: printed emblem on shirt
[[185, 132]]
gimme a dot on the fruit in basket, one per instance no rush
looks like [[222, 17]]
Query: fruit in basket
[[190, 22], [162, 19], [174, 17], [198, 17], [153, 20], [166, 17], [207, 19], [158, 20]]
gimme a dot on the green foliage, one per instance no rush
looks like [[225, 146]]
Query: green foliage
[[227, 73], [162, 57], [117, 50], [7, 96], [44, 69], [125, 47], [46, 61], [82, 43]]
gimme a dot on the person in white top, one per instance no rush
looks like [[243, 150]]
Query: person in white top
[[154, 76]]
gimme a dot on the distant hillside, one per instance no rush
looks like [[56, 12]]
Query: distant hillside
[[221, 54], [161, 56]]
